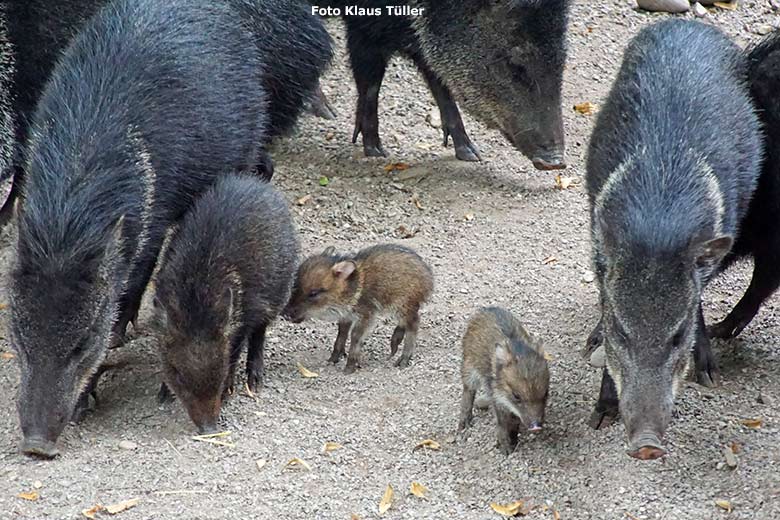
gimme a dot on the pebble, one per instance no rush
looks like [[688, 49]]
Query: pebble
[[765, 399], [666, 6], [127, 445], [588, 277], [699, 10], [764, 29], [599, 358], [775, 4], [434, 118], [731, 459]]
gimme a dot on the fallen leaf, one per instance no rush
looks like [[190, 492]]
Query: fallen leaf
[[331, 446], [417, 203], [556, 514], [324, 181], [354, 517], [92, 511], [513, 509], [404, 232], [731, 6], [296, 462], [387, 500], [32, 496], [3, 306], [735, 447], [428, 444], [585, 108], [724, 504], [549, 260], [548, 356], [752, 423], [564, 183], [7, 355], [418, 490], [396, 167], [115, 509], [468, 217], [329, 136], [216, 442], [303, 200], [260, 463], [305, 372], [212, 435]]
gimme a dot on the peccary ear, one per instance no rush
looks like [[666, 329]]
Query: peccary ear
[[503, 356], [343, 270], [329, 251], [711, 252]]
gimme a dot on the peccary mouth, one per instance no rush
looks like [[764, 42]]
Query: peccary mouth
[[646, 446], [39, 447]]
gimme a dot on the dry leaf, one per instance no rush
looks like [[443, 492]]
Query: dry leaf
[[548, 356], [735, 447], [3, 306], [564, 183], [418, 490], [210, 440], [417, 203], [387, 500], [305, 372], [585, 108], [404, 232], [115, 509], [260, 463], [7, 355], [556, 514], [92, 511], [513, 509], [329, 136], [731, 6], [468, 217], [211, 435], [429, 444], [303, 200], [549, 260], [752, 423], [724, 504], [354, 517], [331, 446], [398, 166], [29, 495], [298, 462]]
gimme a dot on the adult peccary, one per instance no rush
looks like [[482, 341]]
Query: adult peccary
[[226, 275], [295, 44], [150, 103], [503, 60], [667, 198]]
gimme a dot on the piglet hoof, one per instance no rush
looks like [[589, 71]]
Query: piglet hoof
[[350, 368], [593, 342], [335, 357], [725, 329], [465, 424], [164, 395], [709, 377], [374, 151], [601, 419], [467, 152], [254, 380], [402, 362]]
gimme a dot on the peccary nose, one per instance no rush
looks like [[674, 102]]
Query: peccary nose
[[535, 426], [208, 428], [646, 446], [549, 161], [39, 447]]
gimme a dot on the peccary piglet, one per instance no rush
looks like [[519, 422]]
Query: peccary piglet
[[149, 104], [225, 277], [354, 290], [501, 60], [668, 198], [502, 359]]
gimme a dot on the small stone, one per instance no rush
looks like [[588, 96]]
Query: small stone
[[731, 459], [666, 6], [588, 276], [764, 29], [699, 10], [127, 445], [37, 484], [599, 358], [434, 118], [765, 399], [775, 4]]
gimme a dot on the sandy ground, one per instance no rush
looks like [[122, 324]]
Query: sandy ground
[[487, 229]]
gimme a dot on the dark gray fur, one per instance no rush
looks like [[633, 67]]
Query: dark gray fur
[[662, 227]]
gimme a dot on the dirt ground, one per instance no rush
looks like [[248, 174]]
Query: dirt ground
[[489, 230]]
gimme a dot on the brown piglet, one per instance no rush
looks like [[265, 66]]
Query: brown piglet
[[354, 290]]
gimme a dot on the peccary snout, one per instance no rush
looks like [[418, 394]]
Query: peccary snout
[[544, 143], [42, 420], [647, 411]]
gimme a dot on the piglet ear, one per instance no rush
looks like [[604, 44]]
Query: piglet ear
[[503, 356], [343, 270], [711, 252], [329, 251]]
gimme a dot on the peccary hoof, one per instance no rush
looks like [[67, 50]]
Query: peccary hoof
[[593, 342], [351, 368], [374, 151], [41, 448], [467, 153], [402, 362], [335, 357], [601, 419], [709, 378]]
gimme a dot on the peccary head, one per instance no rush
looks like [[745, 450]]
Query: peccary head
[[504, 59], [62, 313], [195, 341], [521, 383], [651, 315], [324, 288]]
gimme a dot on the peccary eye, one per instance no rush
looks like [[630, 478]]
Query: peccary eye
[[315, 292]]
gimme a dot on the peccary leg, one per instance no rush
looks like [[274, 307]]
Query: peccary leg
[[82, 405], [255, 365], [398, 336], [368, 68], [707, 371], [466, 408], [765, 281], [339, 347], [164, 395], [451, 122], [507, 428], [410, 340], [360, 330], [264, 166], [595, 339], [7, 211], [136, 285], [320, 106], [235, 352], [606, 410]]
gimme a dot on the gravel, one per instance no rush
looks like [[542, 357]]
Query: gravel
[[487, 229]]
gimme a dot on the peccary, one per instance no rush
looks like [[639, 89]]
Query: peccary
[[295, 45], [759, 235], [667, 198], [502, 60], [150, 103], [225, 276], [354, 290], [500, 357]]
